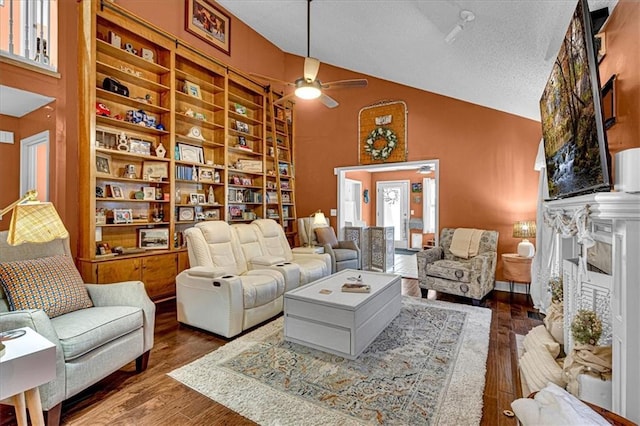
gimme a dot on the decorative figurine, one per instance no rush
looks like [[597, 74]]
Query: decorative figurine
[[216, 177], [194, 173], [212, 197], [160, 151], [123, 142]]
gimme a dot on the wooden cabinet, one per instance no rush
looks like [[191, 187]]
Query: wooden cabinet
[[157, 272], [168, 137]]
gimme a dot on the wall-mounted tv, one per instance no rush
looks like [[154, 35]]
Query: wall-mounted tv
[[575, 142]]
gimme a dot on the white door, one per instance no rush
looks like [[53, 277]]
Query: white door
[[352, 201], [392, 209]]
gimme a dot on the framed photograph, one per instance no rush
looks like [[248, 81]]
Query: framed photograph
[[116, 191], [149, 193], [209, 23], [103, 164], [240, 109], [236, 180], [191, 153], [137, 146], [192, 89], [122, 216], [242, 126], [246, 182], [186, 213], [242, 141], [212, 214], [155, 170], [202, 199], [416, 187], [205, 175], [153, 239], [193, 198]]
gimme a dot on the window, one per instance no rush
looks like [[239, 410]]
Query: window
[[28, 31]]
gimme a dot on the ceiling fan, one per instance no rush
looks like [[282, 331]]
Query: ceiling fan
[[308, 86]]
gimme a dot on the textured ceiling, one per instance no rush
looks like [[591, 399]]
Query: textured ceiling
[[501, 60]]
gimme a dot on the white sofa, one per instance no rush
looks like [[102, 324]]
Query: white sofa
[[219, 293]]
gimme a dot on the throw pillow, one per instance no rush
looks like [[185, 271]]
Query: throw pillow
[[539, 337], [539, 368], [326, 236], [52, 284]]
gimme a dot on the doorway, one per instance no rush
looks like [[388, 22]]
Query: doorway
[[34, 165], [352, 204], [392, 209]]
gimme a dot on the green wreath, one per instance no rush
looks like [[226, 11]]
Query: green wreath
[[383, 153]]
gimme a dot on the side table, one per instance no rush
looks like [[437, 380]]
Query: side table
[[516, 269], [308, 250], [28, 362]]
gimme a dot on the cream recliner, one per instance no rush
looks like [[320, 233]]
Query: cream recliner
[[312, 266], [257, 256], [219, 293]]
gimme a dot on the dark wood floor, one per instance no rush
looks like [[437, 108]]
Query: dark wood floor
[[153, 398]]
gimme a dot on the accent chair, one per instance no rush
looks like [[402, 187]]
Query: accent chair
[[439, 269]]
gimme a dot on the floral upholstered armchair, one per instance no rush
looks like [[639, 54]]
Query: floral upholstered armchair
[[473, 277]]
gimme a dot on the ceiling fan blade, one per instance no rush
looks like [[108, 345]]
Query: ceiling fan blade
[[284, 99], [342, 84], [328, 101], [275, 80], [311, 67]]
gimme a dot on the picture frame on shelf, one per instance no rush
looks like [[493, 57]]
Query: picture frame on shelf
[[149, 193], [209, 23], [153, 238], [193, 198], [246, 182], [186, 213], [191, 153], [122, 216], [192, 89], [103, 164], [155, 170], [202, 199], [240, 109], [241, 126], [213, 214], [139, 146], [236, 180], [116, 191], [205, 175], [242, 142]]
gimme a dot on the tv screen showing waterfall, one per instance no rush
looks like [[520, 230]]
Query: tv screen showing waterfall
[[575, 142]]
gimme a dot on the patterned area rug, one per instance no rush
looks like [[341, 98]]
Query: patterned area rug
[[427, 367]]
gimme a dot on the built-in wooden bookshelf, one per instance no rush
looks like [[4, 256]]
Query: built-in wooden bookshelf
[[169, 138]]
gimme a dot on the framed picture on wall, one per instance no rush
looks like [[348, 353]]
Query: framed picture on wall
[[209, 23], [416, 187]]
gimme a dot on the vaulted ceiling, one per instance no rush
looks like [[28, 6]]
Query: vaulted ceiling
[[501, 59]]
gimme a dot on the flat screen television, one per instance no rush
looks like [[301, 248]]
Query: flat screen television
[[575, 141]]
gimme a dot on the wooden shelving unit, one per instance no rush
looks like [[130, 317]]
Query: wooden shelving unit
[[201, 154]]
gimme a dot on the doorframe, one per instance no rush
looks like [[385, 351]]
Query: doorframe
[[358, 195], [340, 172], [28, 163]]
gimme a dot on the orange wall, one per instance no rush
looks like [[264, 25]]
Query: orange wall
[[62, 123], [622, 34]]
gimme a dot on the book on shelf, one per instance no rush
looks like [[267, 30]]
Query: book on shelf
[[356, 288]]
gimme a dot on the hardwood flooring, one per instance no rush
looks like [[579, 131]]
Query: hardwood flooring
[[153, 398]]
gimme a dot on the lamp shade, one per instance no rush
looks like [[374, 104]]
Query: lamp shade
[[35, 223], [524, 229], [319, 218]]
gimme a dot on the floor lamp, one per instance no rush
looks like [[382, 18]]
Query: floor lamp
[[317, 218]]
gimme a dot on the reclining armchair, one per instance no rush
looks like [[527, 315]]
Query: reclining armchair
[[473, 277], [219, 293], [313, 266], [344, 254], [97, 335]]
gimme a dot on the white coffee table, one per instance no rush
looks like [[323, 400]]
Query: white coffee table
[[341, 323]]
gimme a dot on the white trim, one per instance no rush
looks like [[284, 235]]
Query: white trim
[[28, 171]]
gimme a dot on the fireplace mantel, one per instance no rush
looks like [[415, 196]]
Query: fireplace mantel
[[621, 213]]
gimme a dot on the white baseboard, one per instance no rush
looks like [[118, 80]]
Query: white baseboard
[[519, 288]]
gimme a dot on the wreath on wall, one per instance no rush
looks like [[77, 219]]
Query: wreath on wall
[[381, 133]]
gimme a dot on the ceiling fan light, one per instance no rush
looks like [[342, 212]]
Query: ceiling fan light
[[308, 92]]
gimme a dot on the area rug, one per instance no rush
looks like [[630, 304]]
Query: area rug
[[426, 368]]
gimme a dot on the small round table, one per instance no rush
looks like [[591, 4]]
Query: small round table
[[516, 269]]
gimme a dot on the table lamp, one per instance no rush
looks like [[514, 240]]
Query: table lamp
[[317, 218], [33, 221], [525, 229]]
